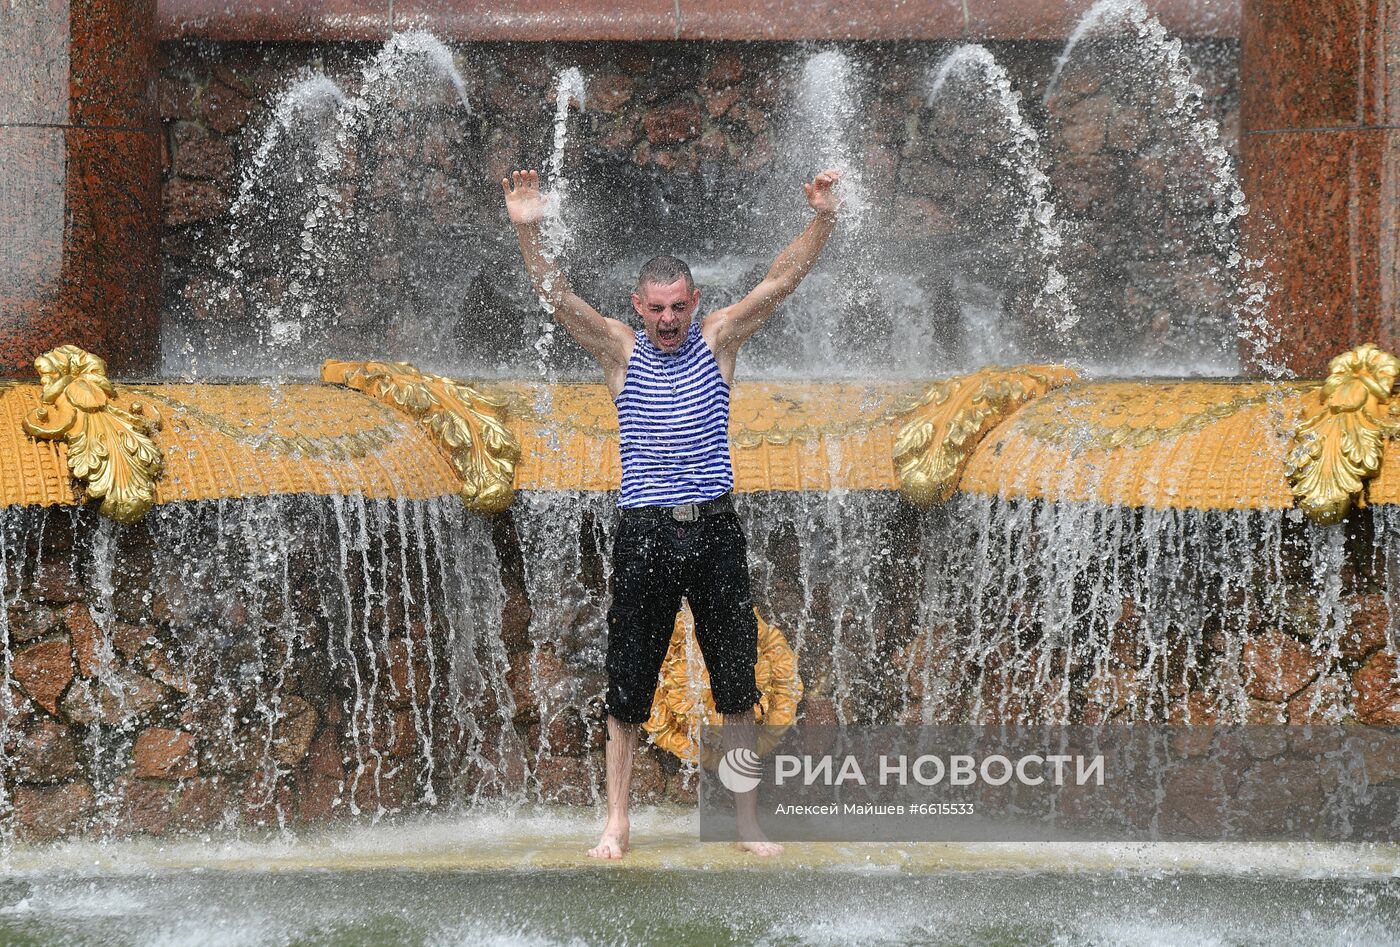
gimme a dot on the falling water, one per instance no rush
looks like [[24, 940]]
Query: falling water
[[1185, 175], [1017, 152], [19, 529], [568, 93], [1039, 611], [828, 572], [566, 544], [376, 619], [824, 121], [109, 701]]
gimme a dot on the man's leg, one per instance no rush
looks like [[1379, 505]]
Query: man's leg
[[646, 596], [727, 632], [741, 731], [621, 745]]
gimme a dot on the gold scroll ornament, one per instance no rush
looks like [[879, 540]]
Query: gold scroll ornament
[[683, 704], [953, 416], [469, 424], [110, 449], [1340, 437]]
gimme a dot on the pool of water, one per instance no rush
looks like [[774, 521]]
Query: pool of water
[[523, 879]]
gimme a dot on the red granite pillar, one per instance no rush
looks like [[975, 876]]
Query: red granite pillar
[[79, 182], [1321, 138]]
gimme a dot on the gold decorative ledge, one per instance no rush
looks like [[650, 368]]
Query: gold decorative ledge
[[1212, 445], [1195, 445], [953, 416], [1340, 436], [467, 423], [226, 441], [683, 704], [1027, 432], [108, 448]]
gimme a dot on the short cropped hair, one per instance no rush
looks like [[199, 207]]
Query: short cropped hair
[[663, 271]]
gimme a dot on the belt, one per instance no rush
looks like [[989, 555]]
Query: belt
[[685, 513]]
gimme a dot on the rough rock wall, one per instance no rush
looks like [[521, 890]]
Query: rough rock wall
[[287, 662], [676, 142]]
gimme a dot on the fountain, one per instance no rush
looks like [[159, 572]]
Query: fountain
[[344, 559]]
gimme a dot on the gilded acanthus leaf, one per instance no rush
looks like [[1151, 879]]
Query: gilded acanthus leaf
[[110, 449], [948, 423], [1340, 438], [468, 423], [683, 706]]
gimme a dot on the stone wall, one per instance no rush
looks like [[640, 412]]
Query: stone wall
[[677, 143], [160, 680], [285, 661]]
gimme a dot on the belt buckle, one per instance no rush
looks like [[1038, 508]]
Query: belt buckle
[[685, 513]]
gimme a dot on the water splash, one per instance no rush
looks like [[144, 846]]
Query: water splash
[[251, 316], [347, 204], [1036, 224], [835, 321], [824, 122], [557, 236], [568, 95], [1134, 48]]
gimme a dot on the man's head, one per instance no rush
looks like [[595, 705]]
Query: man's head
[[666, 298]]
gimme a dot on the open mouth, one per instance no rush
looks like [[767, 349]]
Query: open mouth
[[669, 336]]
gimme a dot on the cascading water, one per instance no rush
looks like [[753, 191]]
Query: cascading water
[[246, 638], [566, 584], [1083, 612], [828, 574], [1007, 237], [346, 233], [1153, 193]]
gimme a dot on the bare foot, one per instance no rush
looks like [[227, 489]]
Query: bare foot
[[753, 841], [760, 847], [613, 843]]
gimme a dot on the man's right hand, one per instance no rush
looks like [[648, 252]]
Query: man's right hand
[[607, 340], [524, 202]]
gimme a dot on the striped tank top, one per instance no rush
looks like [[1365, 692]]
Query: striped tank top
[[673, 425]]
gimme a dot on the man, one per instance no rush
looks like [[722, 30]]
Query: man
[[679, 536]]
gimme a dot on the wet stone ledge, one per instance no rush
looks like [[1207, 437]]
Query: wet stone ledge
[[541, 20]]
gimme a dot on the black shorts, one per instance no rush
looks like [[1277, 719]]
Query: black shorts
[[656, 562]]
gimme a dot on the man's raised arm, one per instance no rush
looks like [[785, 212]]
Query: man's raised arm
[[607, 340], [737, 322]]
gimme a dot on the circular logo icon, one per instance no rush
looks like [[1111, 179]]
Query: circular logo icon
[[739, 770]]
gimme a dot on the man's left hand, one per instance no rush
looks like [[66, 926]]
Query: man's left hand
[[822, 193]]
